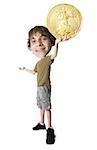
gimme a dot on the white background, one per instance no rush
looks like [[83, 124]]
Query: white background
[[73, 75]]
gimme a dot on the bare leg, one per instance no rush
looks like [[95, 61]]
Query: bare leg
[[49, 118], [42, 113]]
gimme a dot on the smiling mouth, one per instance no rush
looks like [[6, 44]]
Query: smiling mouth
[[40, 50]]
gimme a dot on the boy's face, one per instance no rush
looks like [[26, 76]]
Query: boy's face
[[40, 44]]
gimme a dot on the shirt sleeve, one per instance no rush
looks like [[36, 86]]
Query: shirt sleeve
[[35, 69], [50, 60]]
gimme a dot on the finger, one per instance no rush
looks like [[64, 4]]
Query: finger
[[20, 68]]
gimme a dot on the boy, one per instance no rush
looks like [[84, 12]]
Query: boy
[[40, 43]]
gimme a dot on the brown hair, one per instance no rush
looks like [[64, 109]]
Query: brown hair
[[42, 30]]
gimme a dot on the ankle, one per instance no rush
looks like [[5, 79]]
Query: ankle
[[41, 123], [50, 127]]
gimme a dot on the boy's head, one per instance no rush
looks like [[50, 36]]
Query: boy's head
[[40, 41]]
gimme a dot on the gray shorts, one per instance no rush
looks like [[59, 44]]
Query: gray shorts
[[44, 97]]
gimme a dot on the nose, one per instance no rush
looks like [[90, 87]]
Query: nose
[[39, 43]]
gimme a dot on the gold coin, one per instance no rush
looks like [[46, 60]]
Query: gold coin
[[64, 21]]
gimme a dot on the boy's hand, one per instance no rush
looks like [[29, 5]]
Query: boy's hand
[[66, 39], [61, 40], [22, 68], [28, 70]]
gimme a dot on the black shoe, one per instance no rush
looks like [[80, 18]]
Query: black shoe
[[39, 126], [50, 138]]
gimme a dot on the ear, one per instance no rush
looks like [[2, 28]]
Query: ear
[[28, 43]]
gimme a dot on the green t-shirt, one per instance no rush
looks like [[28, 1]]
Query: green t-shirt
[[43, 71]]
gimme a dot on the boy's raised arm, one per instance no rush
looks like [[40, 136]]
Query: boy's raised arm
[[55, 48]]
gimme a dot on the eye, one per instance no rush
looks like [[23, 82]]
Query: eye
[[33, 41], [44, 38]]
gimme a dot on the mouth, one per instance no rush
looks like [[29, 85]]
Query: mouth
[[40, 50]]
